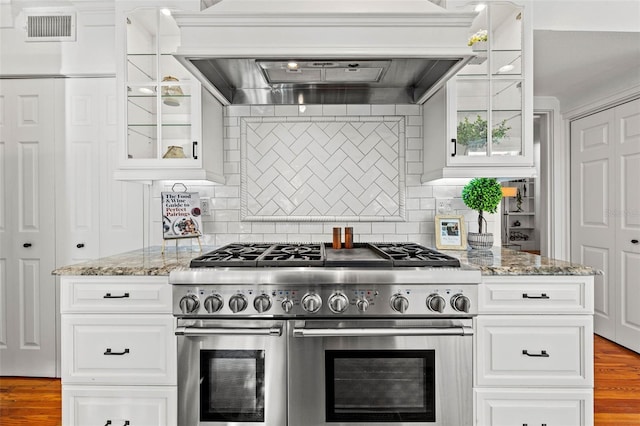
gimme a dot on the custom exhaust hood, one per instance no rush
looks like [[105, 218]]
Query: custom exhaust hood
[[292, 52]]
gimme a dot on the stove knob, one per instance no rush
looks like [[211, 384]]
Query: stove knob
[[287, 305], [213, 303], [189, 304], [362, 305], [262, 303], [338, 303], [460, 303], [237, 303], [311, 303], [436, 303], [399, 303]]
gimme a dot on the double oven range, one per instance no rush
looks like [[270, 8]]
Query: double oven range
[[305, 335]]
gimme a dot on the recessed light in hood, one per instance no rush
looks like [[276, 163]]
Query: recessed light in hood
[[347, 51]]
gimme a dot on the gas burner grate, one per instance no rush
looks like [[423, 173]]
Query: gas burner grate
[[411, 254], [292, 254], [237, 254]]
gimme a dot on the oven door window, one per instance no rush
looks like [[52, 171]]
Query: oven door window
[[380, 386], [232, 385]]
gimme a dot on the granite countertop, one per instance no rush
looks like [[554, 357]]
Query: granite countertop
[[147, 261], [151, 261], [502, 261]]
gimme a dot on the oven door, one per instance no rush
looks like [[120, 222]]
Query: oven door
[[231, 372], [380, 372]]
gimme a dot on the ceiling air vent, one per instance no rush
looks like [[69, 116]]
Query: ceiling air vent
[[51, 27]]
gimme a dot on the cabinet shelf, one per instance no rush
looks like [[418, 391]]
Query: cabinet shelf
[[520, 213]]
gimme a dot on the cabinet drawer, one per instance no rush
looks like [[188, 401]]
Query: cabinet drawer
[[515, 407], [115, 294], [534, 351], [99, 405], [544, 295], [127, 349]]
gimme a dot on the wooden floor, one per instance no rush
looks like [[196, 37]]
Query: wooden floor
[[32, 401]]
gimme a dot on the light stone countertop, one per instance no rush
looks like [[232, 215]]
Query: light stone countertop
[[147, 261], [502, 261], [150, 261]]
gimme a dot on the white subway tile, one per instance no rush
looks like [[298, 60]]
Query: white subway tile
[[383, 109], [334, 109], [408, 228], [262, 110], [310, 110], [231, 121], [414, 143], [285, 110], [232, 132], [287, 228], [413, 131], [264, 228], [383, 228], [358, 109], [226, 215], [239, 227], [414, 120], [238, 111], [395, 238], [408, 110]]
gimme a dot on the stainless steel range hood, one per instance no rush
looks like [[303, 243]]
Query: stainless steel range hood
[[324, 51]]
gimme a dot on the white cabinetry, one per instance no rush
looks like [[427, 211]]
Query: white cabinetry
[[165, 134], [494, 91], [118, 351], [534, 351]]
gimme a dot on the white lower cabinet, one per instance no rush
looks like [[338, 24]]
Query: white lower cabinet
[[118, 351], [527, 350], [535, 407], [533, 360], [119, 405]]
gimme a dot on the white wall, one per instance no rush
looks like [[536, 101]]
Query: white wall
[[93, 52], [586, 15]]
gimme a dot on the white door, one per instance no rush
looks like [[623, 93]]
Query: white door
[[605, 215], [592, 201], [27, 228], [627, 254], [100, 216]]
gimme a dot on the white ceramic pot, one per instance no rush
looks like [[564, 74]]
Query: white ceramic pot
[[479, 241]]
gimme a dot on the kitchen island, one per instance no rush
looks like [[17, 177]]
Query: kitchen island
[[532, 344]]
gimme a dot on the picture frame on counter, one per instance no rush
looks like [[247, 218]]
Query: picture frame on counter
[[450, 232]]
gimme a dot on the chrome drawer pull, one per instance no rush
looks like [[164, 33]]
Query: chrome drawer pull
[[109, 352], [126, 423], [200, 331], [542, 354], [109, 296], [382, 332], [542, 296], [527, 424]]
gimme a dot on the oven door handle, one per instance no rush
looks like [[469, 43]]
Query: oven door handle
[[200, 331], [382, 332]]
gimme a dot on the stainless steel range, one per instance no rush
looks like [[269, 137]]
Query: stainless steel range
[[306, 335]]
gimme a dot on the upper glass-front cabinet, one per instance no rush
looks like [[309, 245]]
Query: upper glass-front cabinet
[[163, 135], [488, 105], [161, 94], [489, 91]]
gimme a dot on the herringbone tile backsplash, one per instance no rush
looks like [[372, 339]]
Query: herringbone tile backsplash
[[339, 170]]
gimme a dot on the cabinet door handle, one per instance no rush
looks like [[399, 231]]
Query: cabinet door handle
[[26, 245], [542, 354], [109, 296], [634, 241], [455, 147], [194, 145], [80, 245], [126, 423], [109, 352], [542, 296]]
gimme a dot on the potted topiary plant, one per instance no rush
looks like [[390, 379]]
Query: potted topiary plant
[[473, 135], [483, 195]]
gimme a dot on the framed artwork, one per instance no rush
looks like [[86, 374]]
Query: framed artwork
[[450, 232]]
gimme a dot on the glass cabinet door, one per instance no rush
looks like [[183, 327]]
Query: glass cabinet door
[[488, 92], [160, 95]]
